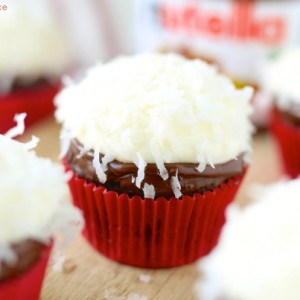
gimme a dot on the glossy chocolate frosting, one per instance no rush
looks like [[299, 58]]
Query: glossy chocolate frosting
[[20, 84], [119, 175], [27, 252], [289, 116]]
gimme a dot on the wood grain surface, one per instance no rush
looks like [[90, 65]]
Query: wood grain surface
[[87, 275]]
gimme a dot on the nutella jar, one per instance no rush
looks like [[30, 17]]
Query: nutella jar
[[240, 37]]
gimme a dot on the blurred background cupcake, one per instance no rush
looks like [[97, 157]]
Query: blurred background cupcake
[[34, 54], [282, 80], [34, 210], [156, 156], [257, 256]]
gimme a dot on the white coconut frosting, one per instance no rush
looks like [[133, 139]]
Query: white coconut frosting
[[155, 108], [282, 78], [34, 201], [258, 253], [32, 44]]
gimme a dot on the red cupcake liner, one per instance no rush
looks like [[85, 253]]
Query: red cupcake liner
[[151, 233], [36, 101], [27, 286], [287, 138]]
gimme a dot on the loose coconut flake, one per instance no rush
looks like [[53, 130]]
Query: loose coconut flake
[[175, 184], [32, 143], [149, 191], [161, 168], [201, 167], [109, 295], [98, 167], [141, 164], [58, 261], [65, 138], [133, 296], [19, 128], [106, 159], [210, 162], [145, 278], [163, 172], [82, 152]]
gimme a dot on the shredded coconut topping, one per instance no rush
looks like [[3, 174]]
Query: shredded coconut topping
[[34, 200], [258, 252], [163, 107]]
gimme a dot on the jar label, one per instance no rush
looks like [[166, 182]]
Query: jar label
[[238, 36]]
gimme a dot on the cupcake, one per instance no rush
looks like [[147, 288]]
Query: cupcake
[[34, 53], [158, 146], [282, 80], [34, 209], [257, 256]]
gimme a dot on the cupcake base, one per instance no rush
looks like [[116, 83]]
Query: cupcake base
[[151, 233], [26, 286], [287, 138], [36, 101]]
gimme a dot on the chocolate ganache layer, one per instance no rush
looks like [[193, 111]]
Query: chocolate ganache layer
[[289, 116], [119, 174], [27, 253], [21, 84]]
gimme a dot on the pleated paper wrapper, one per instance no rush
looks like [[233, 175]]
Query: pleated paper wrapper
[[287, 138], [36, 101], [151, 233], [27, 285]]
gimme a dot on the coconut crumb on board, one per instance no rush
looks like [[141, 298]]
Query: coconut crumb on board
[[145, 278], [132, 296], [109, 295], [58, 260], [62, 264]]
